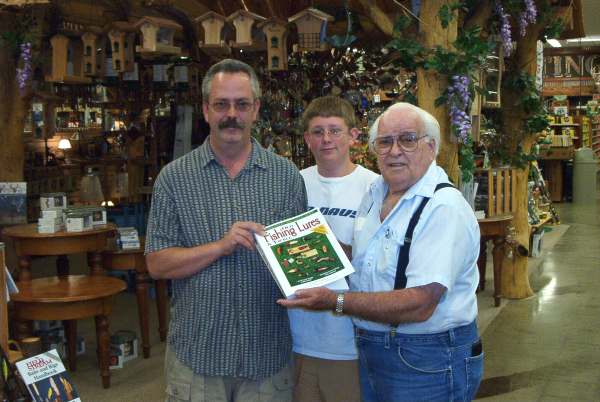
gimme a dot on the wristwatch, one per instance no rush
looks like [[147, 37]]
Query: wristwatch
[[339, 304]]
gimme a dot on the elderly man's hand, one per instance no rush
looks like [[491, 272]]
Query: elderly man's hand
[[311, 299]]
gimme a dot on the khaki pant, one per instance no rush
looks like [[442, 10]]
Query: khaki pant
[[321, 380], [184, 385]]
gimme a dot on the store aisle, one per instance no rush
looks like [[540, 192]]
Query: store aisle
[[547, 348]]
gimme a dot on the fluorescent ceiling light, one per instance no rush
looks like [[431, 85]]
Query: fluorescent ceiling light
[[592, 38], [554, 42]]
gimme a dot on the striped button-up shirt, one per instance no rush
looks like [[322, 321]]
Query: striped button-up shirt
[[224, 319]]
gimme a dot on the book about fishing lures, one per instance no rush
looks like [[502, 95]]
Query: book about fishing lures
[[302, 252]]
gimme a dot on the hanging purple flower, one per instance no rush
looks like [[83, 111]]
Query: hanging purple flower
[[505, 33], [528, 16], [24, 72], [459, 100]]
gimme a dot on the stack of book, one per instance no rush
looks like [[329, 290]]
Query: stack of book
[[52, 206], [128, 238]]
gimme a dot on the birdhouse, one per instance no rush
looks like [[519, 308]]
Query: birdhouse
[[157, 35], [122, 37], [243, 20], [492, 78], [212, 24], [276, 34], [67, 60], [93, 54], [312, 26]]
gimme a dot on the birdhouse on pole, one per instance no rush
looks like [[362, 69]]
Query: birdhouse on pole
[[157, 35], [276, 33], [122, 37], [243, 20], [312, 27], [67, 61], [94, 54]]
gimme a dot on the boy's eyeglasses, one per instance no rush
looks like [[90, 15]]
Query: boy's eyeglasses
[[320, 132]]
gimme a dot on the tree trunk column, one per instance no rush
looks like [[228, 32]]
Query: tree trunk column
[[430, 85]]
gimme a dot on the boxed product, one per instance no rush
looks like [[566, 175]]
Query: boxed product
[[53, 201], [123, 347], [79, 221]]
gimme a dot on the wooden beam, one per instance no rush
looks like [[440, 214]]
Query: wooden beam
[[381, 19]]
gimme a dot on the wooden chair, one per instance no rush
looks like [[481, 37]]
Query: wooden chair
[[502, 191], [70, 298], [127, 260]]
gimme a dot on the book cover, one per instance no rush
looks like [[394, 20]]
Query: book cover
[[13, 203], [302, 252], [46, 378]]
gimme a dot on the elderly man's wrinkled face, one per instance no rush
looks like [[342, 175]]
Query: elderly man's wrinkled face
[[404, 153]]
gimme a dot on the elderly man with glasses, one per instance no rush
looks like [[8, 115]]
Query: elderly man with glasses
[[415, 249], [228, 339]]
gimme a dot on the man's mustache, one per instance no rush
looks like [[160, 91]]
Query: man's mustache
[[231, 123]]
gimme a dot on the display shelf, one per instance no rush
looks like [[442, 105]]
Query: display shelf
[[564, 125]]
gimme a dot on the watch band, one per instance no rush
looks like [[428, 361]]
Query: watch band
[[339, 304]]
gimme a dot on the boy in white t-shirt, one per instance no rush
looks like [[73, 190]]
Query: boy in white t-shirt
[[325, 356]]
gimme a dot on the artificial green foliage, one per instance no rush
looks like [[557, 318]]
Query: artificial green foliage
[[446, 12], [530, 99], [467, 160]]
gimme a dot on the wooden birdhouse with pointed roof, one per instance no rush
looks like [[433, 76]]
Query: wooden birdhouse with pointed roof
[[67, 61], [94, 54], [312, 25], [122, 39], [243, 20], [212, 24], [276, 33], [157, 36]]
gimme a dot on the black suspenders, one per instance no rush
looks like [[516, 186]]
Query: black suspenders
[[400, 282]]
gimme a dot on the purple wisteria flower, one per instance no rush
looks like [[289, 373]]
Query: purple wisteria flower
[[459, 100], [529, 16], [24, 73], [505, 33]]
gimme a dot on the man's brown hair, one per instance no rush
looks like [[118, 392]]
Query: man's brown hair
[[329, 106]]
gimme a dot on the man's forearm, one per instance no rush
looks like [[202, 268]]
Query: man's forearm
[[181, 262], [397, 306]]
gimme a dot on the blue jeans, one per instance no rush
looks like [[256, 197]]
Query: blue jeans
[[446, 366]]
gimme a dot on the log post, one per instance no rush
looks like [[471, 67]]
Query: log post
[[12, 113], [430, 85]]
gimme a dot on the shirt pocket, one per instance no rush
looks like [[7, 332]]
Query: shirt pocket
[[388, 260]]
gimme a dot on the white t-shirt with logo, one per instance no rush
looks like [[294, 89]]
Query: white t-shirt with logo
[[320, 333]]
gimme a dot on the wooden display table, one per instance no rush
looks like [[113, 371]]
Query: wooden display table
[[70, 298], [125, 260], [28, 242], [494, 229]]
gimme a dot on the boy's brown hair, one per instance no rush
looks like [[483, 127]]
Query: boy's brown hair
[[329, 106]]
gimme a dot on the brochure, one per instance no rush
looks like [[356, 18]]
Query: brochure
[[302, 252], [46, 378]]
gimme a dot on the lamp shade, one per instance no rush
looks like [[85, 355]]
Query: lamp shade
[[90, 190], [64, 144]]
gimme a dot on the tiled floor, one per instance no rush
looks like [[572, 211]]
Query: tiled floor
[[547, 348]]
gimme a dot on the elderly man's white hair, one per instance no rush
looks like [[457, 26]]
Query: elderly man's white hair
[[431, 127]]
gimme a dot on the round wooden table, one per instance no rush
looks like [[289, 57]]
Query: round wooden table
[[70, 298], [493, 228], [133, 259], [28, 242]]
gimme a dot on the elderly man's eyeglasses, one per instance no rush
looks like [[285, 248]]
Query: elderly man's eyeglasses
[[408, 142], [221, 106], [320, 132]]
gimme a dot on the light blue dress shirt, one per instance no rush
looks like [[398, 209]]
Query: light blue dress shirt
[[444, 249]]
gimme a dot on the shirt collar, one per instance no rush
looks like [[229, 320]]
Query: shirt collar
[[424, 187], [257, 155]]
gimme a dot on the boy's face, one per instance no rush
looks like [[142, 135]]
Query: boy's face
[[329, 139]]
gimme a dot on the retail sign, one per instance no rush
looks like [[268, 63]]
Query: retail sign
[[568, 71]]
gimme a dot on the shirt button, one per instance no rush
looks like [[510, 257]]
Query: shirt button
[[369, 264]]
